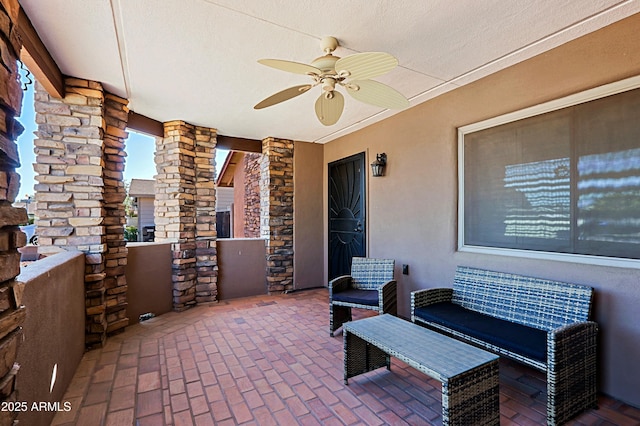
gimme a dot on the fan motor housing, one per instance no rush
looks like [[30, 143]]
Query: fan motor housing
[[326, 63]]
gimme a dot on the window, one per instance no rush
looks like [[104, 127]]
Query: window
[[562, 177]]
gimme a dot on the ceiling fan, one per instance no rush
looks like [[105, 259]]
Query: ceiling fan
[[352, 72]]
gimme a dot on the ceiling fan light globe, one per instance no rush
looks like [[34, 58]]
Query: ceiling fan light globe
[[328, 84]]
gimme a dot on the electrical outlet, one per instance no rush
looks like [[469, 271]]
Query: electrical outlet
[[405, 269]]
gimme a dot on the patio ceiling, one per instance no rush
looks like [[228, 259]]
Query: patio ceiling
[[195, 60]]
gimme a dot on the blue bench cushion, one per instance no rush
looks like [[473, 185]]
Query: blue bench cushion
[[516, 338], [359, 297]]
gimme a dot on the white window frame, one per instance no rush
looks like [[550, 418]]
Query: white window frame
[[568, 101]]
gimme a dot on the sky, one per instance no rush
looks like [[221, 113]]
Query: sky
[[140, 150], [25, 144]]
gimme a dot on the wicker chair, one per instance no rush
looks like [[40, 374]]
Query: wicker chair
[[370, 286]]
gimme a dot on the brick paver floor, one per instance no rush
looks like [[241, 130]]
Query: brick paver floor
[[269, 360]]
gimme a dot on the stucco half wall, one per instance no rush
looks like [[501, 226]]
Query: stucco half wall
[[242, 266], [412, 211], [148, 274], [53, 331]]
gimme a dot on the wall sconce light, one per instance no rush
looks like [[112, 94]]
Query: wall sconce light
[[378, 166]]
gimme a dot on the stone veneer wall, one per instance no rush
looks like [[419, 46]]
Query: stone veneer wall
[[185, 210], [251, 165], [79, 164], [276, 212], [12, 312]]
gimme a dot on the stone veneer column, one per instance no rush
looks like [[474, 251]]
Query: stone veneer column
[[185, 210], [12, 312], [276, 211], [79, 164], [116, 117], [206, 235], [252, 163]]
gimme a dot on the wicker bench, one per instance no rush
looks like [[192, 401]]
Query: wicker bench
[[541, 323], [469, 376]]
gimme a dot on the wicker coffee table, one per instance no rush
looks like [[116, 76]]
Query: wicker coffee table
[[469, 376]]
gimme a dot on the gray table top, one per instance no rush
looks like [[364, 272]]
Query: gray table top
[[440, 356]]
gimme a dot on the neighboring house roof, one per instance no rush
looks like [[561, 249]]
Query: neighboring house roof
[[225, 177], [142, 188]]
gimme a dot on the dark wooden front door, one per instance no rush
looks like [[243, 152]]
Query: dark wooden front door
[[346, 213]]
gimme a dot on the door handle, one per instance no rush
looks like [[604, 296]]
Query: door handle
[[358, 227]]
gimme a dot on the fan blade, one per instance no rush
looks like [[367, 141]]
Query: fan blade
[[289, 66], [378, 94], [329, 110], [282, 96], [366, 65]]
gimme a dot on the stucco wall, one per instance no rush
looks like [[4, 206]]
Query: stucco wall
[[53, 330], [148, 275], [308, 212], [242, 267], [412, 211]]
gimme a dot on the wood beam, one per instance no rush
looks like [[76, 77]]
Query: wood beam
[[238, 144], [141, 123], [145, 124], [37, 58], [12, 7]]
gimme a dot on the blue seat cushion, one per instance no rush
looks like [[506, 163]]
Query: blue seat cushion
[[358, 297], [526, 341]]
